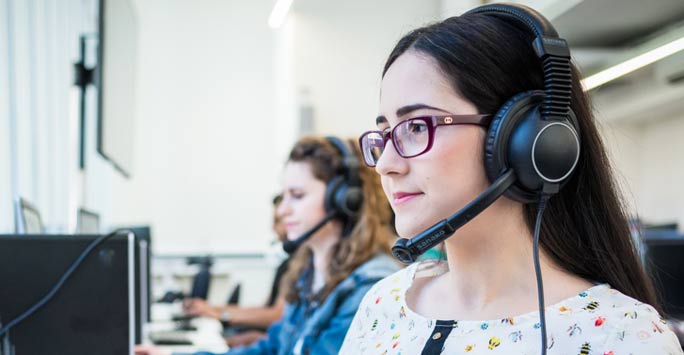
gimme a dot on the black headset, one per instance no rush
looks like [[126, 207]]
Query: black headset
[[343, 193], [532, 145], [535, 133], [343, 196]]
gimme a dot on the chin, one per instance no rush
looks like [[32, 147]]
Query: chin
[[409, 227], [406, 231]]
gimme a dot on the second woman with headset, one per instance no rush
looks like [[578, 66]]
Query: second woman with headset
[[339, 220]]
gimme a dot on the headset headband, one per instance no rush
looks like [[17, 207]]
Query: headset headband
[[350, 162], [553, 51]]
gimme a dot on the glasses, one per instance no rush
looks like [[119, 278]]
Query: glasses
[[412, 137]]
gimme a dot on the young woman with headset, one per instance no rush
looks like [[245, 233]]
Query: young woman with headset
[[338, 220], [484, 114]]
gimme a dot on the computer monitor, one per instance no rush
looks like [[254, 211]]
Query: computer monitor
[[143, 271], [200, 283], [87, 222], [670, 226], [142, 287], [93, 313], [117, 80], [27, 218], [202, 280], [665, 265]]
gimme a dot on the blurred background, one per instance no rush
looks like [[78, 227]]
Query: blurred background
[[179, 114]]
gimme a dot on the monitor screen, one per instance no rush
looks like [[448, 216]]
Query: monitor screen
[[200, 283], [87, 222], [116, 82], [93, 313], [28, 220], [665, 265]]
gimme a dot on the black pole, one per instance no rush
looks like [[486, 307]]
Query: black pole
[[82, 77]]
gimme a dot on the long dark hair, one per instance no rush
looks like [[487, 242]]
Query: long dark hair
[[488, 60], [370, 235]]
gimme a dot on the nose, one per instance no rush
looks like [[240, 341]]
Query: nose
[[390, 162], [283, 208]]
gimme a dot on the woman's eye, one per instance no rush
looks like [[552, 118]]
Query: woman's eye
[[417, 127]]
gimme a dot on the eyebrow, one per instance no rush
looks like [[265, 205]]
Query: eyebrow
[[408, 109]]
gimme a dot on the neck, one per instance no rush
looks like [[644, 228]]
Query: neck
[[491, 264], [321, 245]]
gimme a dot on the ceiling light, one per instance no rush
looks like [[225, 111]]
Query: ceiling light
[[279, 13], [633, 64]]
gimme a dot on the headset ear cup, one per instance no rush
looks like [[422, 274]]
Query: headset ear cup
[[342, 198], [331, 189], [543, 151], [498, 139], [511, 139], [344, 194], [349, 199]]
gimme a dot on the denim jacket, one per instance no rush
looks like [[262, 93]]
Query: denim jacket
[[307, 328]]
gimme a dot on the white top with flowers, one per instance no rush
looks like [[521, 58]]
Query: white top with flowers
[[600, 320]]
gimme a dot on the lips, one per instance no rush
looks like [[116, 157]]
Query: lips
[[400, 198], [290, 226]]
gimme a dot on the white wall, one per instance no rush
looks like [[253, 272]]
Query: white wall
[[204, 166], [207, 69], [340, 50], [450, 8], [648, 157], [6, 214], [39, 46], [210, 68], [23, 118], [662, 171], [624, 145]]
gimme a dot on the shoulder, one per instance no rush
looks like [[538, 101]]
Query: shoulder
[[347, 296], [375, 269], [625, 325], [400, 277], [365, 276], [641, 330], [397, 283], [383, 313]]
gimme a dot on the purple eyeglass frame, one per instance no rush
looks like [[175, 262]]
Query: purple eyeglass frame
[[432, 122]]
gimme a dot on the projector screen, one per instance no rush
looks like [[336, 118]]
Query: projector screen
[[116, 81]]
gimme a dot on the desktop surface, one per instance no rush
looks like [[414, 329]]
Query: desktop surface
[[163, 331]]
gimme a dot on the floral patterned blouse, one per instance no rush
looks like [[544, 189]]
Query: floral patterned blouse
[[600, 320]]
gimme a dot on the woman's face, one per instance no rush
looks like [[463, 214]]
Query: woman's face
[[302, 205], [428, 188]]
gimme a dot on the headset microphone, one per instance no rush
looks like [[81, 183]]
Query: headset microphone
[[408, 250], [291, 245]]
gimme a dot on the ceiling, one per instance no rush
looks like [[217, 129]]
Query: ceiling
[[604, 33], [601, 34], [616, 23]]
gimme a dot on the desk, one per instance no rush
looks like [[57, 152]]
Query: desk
[[207, 337]]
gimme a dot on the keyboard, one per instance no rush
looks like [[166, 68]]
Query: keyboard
[[171, 337]]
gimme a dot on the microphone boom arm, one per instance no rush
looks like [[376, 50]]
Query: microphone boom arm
[[408, 250], [291, 245]]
